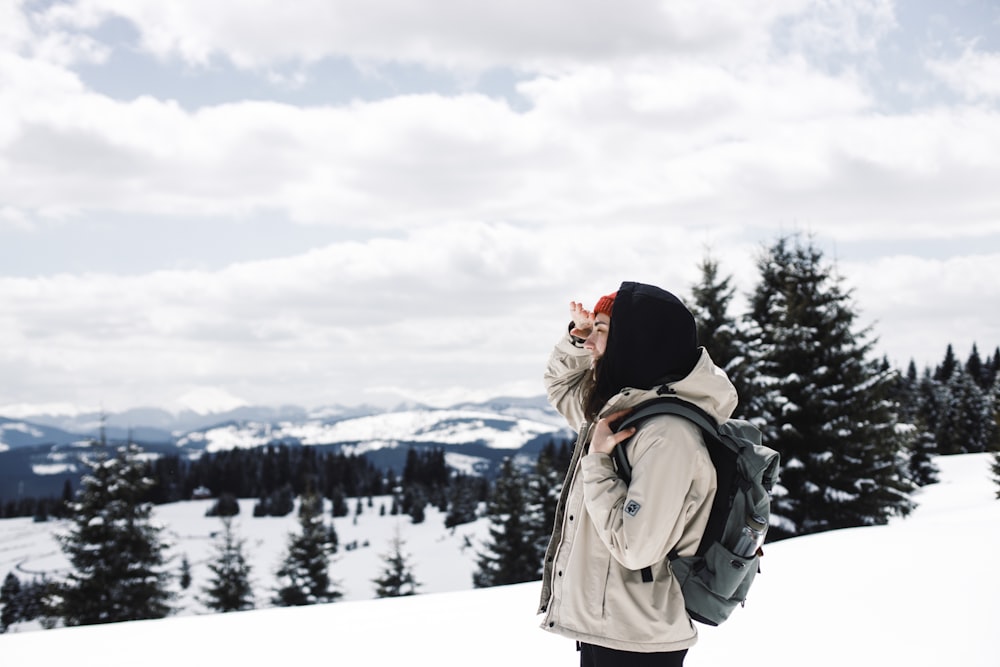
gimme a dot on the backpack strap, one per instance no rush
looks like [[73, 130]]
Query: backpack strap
[[665, 405]]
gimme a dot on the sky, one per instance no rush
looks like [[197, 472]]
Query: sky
[[862, 596], [205, 205]]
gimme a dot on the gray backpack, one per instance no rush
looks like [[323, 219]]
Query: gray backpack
[[718, 576]]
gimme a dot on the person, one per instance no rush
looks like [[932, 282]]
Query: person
[[638, 343]]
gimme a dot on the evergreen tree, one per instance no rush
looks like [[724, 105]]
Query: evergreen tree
[[995, 467], [948, 365], [993, 411], [338, 502], [185, 573], [967, 419], [10, 598], [913, 426], [415, 502], [510, 555], [463, 504], [397, 578], [976, 369], [543, 489], [229, 588], [226, 505], [115, 550], [820, 401], [27, 602], [279, 502], [991, 368], [718, 331], [304, 572]]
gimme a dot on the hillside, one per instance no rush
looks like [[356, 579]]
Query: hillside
[[36, 459], [864, 596]]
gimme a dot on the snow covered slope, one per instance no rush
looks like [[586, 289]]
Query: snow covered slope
[[865, 596]]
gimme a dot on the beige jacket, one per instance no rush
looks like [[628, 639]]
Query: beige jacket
[[592, 589]]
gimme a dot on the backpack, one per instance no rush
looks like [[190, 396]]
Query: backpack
[[718, 576]]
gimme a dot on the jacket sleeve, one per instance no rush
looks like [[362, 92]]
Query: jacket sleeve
[[564, 379], [667, 503]]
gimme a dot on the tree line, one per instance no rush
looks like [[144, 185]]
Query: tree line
[[272, 473], [119, 569]]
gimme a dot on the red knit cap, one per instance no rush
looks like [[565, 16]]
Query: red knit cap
[[605, 303]]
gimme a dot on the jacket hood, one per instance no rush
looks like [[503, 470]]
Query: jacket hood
[[652, 339], [706, 386]]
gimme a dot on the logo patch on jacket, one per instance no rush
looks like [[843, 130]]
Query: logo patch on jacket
[[632, 508]]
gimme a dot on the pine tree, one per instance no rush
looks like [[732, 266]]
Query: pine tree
[[338, 502], [993, 412], [229, 588], [415, 502], [820, 401], [185, 579], [718, 331], [913, 427], [543, 488], [967, 418], [115, 550], [996, 471], [397, 578], [948, 365], [463, 504], [976, 369], [304, 571], [510, 556], [991, 367], [10, 598], [226, 505]]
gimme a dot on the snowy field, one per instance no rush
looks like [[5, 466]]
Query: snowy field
[[443, 559], [920, 591]]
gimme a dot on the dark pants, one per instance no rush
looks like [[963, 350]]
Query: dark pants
[[598, 656]]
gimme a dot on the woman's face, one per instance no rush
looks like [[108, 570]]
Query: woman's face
[[598, 338]]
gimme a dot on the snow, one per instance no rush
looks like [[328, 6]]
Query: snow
[[20, 428], [917, 592], [52, 468], [386, 429]]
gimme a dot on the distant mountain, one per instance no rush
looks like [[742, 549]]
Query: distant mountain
[[156, 425], [40, 453], [16, 433]]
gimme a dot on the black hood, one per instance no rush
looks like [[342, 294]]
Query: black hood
[[652, 339]]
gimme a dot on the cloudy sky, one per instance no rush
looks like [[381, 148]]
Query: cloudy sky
[[208, 203]]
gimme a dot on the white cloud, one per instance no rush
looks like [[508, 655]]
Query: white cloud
[[473, 306], [15, 31], [681, 141], [206, 400], [445, 310], [450, 34], [671, 129], [836, 26], [919, 305], [975, 74]]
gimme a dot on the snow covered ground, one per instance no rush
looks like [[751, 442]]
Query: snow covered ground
[[920, 591], [442, 559]]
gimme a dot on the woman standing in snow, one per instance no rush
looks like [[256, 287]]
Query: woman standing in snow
[[637, 344]]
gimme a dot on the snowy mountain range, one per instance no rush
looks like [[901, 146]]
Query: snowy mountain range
[[38, 452]]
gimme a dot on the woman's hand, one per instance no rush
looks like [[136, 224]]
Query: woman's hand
[[605, 439], [583, 320]]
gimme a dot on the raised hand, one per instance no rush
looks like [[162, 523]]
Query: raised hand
[[583, 320]]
